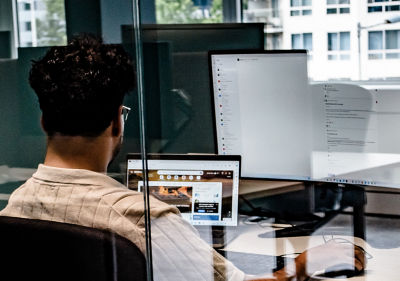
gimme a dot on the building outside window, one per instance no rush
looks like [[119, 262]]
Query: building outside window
[[374, 51], [300, 7], [384, 44], [375, 6], [189, 11], [303, 41], [338, 45], [28, 26], [337, 7], [41, 23]]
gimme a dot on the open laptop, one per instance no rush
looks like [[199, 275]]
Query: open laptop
[[205, 188]]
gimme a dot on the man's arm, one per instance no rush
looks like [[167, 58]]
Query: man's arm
[[180, 254], [318, 259]]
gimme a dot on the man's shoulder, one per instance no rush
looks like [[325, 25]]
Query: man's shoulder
[[129, 201]]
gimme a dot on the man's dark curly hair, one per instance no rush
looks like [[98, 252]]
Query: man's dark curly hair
[[81, 86]]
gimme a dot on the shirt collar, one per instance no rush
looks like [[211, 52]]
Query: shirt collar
[[74, 176]]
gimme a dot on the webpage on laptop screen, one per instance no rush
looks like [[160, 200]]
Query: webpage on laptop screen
[[205, 192]]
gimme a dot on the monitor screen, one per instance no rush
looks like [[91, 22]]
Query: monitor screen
[[263, 111], [356, 137], [203, 187], [285, 128]]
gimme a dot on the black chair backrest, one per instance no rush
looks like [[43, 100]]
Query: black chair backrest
[[42, 250]]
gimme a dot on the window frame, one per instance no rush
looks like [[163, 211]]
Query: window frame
[[303, 9], [384, 53], [383, 5], [338, 7], [339, 53]]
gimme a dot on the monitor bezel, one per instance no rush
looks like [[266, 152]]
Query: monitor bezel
[[199, 157], [186, 157], [194, 157]]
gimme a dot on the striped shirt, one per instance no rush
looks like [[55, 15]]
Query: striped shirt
[[95, 200]]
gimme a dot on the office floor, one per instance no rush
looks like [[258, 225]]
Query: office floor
[[382, 233]]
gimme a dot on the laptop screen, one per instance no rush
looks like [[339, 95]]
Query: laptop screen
[[204, 188]]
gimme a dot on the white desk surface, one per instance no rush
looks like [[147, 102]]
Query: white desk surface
[[384, 264]]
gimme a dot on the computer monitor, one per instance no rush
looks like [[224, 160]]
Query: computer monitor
[[205, 188], [285, 128], [263, 111], [356, 135]]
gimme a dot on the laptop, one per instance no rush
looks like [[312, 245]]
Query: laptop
[[205, 188]]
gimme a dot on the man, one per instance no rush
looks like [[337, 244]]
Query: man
[[80, 89]]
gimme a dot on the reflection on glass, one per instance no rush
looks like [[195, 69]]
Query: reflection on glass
[[41, 23], [188, 11]]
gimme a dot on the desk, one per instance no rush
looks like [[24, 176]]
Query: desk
[[382, 266], [259, 188]]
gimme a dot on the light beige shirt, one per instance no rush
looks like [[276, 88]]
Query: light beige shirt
[[95, 200]]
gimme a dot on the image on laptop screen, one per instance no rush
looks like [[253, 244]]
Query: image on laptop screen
[[205, 188]]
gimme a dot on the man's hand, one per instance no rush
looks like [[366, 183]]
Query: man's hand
[[329, 255], [318, 259]]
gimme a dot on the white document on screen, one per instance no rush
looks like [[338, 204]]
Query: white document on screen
[[260, 100], [352, 140]]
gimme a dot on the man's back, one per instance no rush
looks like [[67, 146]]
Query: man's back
[[92, 199], [85, 198]]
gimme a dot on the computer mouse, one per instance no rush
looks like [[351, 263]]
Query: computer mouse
[[256, 219], [341, 271]]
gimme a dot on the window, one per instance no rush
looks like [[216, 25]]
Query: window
[[273, 41], [45, 22], [339, 46], [338, 7], [303, 41], [384, 44], [378, 6], [28, 26], [300, 7], [39, 5], [378, 53], [192, 11]]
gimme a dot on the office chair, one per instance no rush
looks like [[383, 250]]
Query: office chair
[[33, 250]]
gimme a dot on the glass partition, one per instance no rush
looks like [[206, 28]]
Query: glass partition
[[68, 80], [288, 92], [226, 140]]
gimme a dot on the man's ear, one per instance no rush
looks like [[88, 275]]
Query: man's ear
[[117, 124]]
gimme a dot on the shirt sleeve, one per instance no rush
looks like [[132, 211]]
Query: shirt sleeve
[[180, 254]]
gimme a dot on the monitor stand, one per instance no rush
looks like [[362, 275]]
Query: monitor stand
[[352, 196]]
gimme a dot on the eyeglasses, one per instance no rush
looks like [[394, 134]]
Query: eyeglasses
[[125, 112]]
